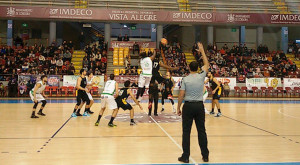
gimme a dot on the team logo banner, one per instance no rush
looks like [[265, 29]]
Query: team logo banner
[[263, 82], [291, 82], [53, 80], [70, 80]]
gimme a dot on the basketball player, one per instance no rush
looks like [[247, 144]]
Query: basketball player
[[82, 94], [153, 96], [156, 76], [90, 83], [145, 76], [37, 95], [216, 91], [167, 91], [124, 93], [108, 98]]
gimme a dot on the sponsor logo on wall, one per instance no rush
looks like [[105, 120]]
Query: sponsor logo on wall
[[14, 12], [285, 18], [238, 17], [192, 17]]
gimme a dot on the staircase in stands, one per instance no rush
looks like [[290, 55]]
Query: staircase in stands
[[77, 59], [189, 57], [184, 5], [282, 6], [292, 57]]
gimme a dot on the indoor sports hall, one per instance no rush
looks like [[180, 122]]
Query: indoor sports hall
[[58, 59]]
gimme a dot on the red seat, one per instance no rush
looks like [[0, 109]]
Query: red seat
[[54, 89], [297, 91], [289, 91], [255, 91], [94, 91], [244, 90], [271, 91], [64, 90], [71, 90], [263, 90], [237, 90], [280, 90], [47, 90]]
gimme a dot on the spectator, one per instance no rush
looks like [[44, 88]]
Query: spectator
[[226, 89], [2, 89], [71, 70], [126, 38], [67, 56], [103, 68], [59, 63], [81, 40], [136, 47], [97, 71], [120, 38]]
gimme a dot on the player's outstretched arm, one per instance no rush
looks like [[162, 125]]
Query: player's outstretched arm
[[134, 99], [153, 56], [204, 57], [168, 67]]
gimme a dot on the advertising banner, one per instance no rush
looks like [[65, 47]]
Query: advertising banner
[[101, 14], [291, 82], [263, 82], [53, 80], [122, 79], [70, 80], [121, 44]]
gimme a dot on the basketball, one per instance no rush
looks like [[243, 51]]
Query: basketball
[[164, 41]]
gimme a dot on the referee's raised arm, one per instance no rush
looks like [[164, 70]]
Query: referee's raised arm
[[191, 91]]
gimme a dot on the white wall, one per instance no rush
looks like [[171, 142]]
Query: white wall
[[225, 35]]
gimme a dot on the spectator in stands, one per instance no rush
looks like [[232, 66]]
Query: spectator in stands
[[98, 56], [12, 87], [126, 38], [85, 63], [226, 89], [71, 70], [122, 73], [81, 40], [97, 71], [120, 38], [67, 56], [19, 41], [136, 47], [2, 89], [104, 60], [103, 68]]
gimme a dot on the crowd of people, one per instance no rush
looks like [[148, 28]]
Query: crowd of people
[[37, 59], [175, 57], [95, 59], [241, 61]]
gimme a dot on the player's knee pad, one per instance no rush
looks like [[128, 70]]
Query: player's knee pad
[[35, 105], [44, 102]]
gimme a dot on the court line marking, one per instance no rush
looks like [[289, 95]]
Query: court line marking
[[46, 143], [284, 114], [284, 137], [170, 137], [250, 125]]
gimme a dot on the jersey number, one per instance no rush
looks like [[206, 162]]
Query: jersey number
[[155, 64], [121, 92]]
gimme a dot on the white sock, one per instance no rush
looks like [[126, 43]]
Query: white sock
[[163, 106]]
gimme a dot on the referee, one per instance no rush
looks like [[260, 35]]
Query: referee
[[191, 91]]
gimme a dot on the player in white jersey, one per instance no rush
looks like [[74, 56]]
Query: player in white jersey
[[145, 76], [108, 96], [37, 96], [90, 84]]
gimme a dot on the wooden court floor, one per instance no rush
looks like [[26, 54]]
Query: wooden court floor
[[247, 132]]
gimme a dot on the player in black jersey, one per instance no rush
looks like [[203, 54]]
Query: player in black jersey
[[167, 91], [124, 93], [156, 63], [82, 93], [153, 96], [216, 91]]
